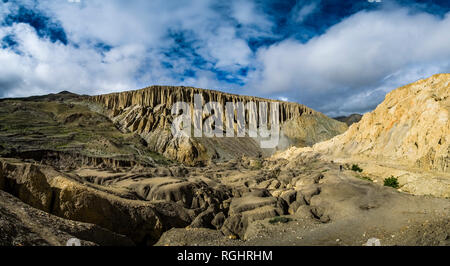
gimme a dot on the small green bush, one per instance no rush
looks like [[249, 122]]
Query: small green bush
[[391, 182], [280, 219], [356, 168]]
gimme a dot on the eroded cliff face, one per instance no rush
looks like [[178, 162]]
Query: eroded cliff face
[[410, 127], [147, 112]]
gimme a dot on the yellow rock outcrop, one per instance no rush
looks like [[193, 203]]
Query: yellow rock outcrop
[[410, 127]]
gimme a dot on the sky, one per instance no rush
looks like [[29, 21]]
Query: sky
[[338, 57]]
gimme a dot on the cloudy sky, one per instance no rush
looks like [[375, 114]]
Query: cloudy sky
[[336, 56]]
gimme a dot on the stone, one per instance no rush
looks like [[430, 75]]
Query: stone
[[294, 207], [218, 220], [274, 185], [247, 209], [303, 211], [309, 192], [234, 226], [289, 196], [204, 219], [247, 203]]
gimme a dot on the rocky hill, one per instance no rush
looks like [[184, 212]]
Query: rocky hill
[[406, 136], [349, 120], [147, 112], [411, 126], [67, 134]]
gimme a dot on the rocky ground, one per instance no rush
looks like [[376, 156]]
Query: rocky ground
[[22, 225], [328, 207], [248, 201]]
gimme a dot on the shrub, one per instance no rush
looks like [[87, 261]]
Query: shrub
[[391, 182], [280, 219], [356, 168]]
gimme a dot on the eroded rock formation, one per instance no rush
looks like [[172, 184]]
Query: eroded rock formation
[[53, 192], [410, 127], [148, 113], [23, 225]]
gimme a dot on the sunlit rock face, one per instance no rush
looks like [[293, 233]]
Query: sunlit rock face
[[410, 127], [148, 113]]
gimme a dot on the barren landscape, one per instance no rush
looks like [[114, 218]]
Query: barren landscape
[[107, 170]]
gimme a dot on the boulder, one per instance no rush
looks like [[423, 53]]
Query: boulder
[[218, 220], [204, 219], [247, 209]]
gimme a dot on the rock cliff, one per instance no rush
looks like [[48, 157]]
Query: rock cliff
[[410, 127], [148, 113]]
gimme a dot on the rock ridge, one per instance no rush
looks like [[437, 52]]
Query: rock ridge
[[147, 112]]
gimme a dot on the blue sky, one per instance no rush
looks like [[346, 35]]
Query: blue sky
[[338, 57]]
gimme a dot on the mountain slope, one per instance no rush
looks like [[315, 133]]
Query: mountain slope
[[67, 133], [411, 127], [349, 120]]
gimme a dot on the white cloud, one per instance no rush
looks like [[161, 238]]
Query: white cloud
[[246, 12], [347, 69], [137, 32], [44, 66], [284, 99], [301, 12], [229, 51], [343, 68]]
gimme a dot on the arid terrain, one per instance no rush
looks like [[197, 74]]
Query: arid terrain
[[107, 170]]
